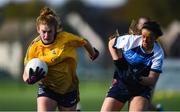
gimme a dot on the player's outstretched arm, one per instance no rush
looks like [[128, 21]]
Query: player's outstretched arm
[[93, 52]]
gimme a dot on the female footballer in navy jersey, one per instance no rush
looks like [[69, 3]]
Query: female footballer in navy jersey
[[138, 68]]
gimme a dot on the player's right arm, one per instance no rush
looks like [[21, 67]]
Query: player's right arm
[[116, 56], [114, 52], [116, 47], [29, 55], [26, 59], [25, 76]]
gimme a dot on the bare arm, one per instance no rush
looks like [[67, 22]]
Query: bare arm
[[91, 50], [114, 53], [25, 76], [150, 80]]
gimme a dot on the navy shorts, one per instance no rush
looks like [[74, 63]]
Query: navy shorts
[[66, 100], [122, 92]]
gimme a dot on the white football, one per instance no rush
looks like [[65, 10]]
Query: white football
[[34, 63]]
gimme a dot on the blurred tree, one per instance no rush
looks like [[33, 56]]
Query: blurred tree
[[24, 10], [175, 51], [22, 13], [163, 11]]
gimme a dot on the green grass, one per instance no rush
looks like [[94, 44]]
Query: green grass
[[92, 94], [170, 100], [19, 96]]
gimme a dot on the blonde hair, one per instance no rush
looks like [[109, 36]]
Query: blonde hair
[[48, 17], [133, 28]]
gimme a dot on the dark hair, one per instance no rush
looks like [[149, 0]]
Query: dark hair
[[154, 27]]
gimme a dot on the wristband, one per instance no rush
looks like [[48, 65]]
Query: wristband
[[121, 64]]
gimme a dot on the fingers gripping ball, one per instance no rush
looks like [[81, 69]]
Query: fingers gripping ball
[[36, 69]]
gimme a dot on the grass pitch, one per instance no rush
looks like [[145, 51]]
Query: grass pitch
[[18, 96]]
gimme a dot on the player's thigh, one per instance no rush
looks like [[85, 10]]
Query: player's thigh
[[138, 103], [46, 104], [111, 104]]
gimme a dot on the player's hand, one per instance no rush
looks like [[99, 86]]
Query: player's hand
[[93, 57], [35, 76]]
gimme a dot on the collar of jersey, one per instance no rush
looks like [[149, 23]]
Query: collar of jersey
[[143, 49], [48, 45]]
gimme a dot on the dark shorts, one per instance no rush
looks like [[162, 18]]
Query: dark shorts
[[123, 93], [66, 100]]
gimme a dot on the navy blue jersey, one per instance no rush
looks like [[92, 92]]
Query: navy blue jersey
[[138, 61]]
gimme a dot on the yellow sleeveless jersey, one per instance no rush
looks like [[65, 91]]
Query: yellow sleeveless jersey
[[61, 58]]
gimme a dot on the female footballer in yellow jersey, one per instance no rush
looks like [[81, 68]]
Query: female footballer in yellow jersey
[[59, 88]]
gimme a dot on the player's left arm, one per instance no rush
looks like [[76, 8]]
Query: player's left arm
[[77, 41], [151, 79], [93, 52], [156, 69]]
